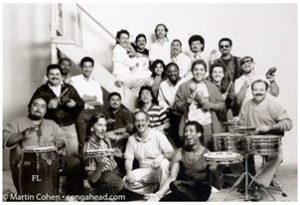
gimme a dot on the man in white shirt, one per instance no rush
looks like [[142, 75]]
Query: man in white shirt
[[197, 45], [166, 99], [168, 88], [160, 49], [91, 93], [129, 65], [184, 62], [242, 84], [153, 151]]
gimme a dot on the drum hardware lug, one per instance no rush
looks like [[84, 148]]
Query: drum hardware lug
[[49, 161], [27, 163], [37, 162]]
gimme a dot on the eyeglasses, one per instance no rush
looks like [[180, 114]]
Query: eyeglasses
[[224, 46], [246, 61]]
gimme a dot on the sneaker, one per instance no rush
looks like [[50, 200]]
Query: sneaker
[[255, 194]]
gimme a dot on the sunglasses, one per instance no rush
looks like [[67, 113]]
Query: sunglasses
[[246, 61], [224, 46]]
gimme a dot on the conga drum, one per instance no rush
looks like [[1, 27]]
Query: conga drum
[[39, 171]]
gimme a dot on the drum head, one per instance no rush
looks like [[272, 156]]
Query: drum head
[[39, 149], [228, 134], [222, 155], [258, 137]]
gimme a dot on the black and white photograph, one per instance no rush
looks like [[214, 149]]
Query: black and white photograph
[[149, 102]]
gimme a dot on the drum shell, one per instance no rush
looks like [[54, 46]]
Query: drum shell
[[264, 145], [38, 173], [230, 142]]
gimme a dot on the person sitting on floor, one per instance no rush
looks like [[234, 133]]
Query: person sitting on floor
[[188, 179], [100, 165], [153, 151]]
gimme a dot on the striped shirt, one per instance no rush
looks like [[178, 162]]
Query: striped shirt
[[157, 115], [92, 161]]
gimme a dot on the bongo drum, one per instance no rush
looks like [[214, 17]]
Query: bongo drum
[[231, 142], [264, 144], [223, 158], [39, 170]]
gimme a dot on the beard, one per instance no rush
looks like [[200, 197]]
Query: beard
[[34, 117]]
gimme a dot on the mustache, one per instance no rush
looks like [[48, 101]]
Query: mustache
[[259, 94]]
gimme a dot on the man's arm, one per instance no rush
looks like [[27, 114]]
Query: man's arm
[[12, 136], [181, 100], [240, 96], [274, 88]]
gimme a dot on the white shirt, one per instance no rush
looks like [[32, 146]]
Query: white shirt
[[197, 56], [122, 62], [145, 151], [160, 51], [251, 78], [167, 92], [197, 114], [89, 87], [184, 63], [55, 89]]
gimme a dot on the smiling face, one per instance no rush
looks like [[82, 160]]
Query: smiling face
[[141, 43], [158, 69], [176, 48], [38, 109], [123, 39], [191, 137], [225, 48], [87, 69], [259, 91], [160, 32], [199, 72], [217, 74], [146, 96], [115, 102], [54, 77], [141, 122], [247, 65], [172, 73], [99, 128], [65, 66], [196, 46]]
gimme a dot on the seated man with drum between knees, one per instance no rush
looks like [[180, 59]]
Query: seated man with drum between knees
[[35, 131], [101, 167], [270, 119], [188, 179]]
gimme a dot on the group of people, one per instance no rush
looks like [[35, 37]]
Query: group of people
[[159, 147]]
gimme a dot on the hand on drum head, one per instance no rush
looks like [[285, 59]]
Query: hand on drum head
[[59, 143], [263, 129]]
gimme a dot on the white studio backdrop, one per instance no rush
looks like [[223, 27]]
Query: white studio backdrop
[[267, 32]]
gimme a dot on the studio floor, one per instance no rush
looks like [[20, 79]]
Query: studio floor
[[286, 175]]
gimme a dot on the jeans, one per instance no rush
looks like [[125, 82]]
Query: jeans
[[188, 191], [82, 123], [110, 182]]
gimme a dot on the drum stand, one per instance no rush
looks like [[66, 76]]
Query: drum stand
[[275, 185], [245, 175]]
